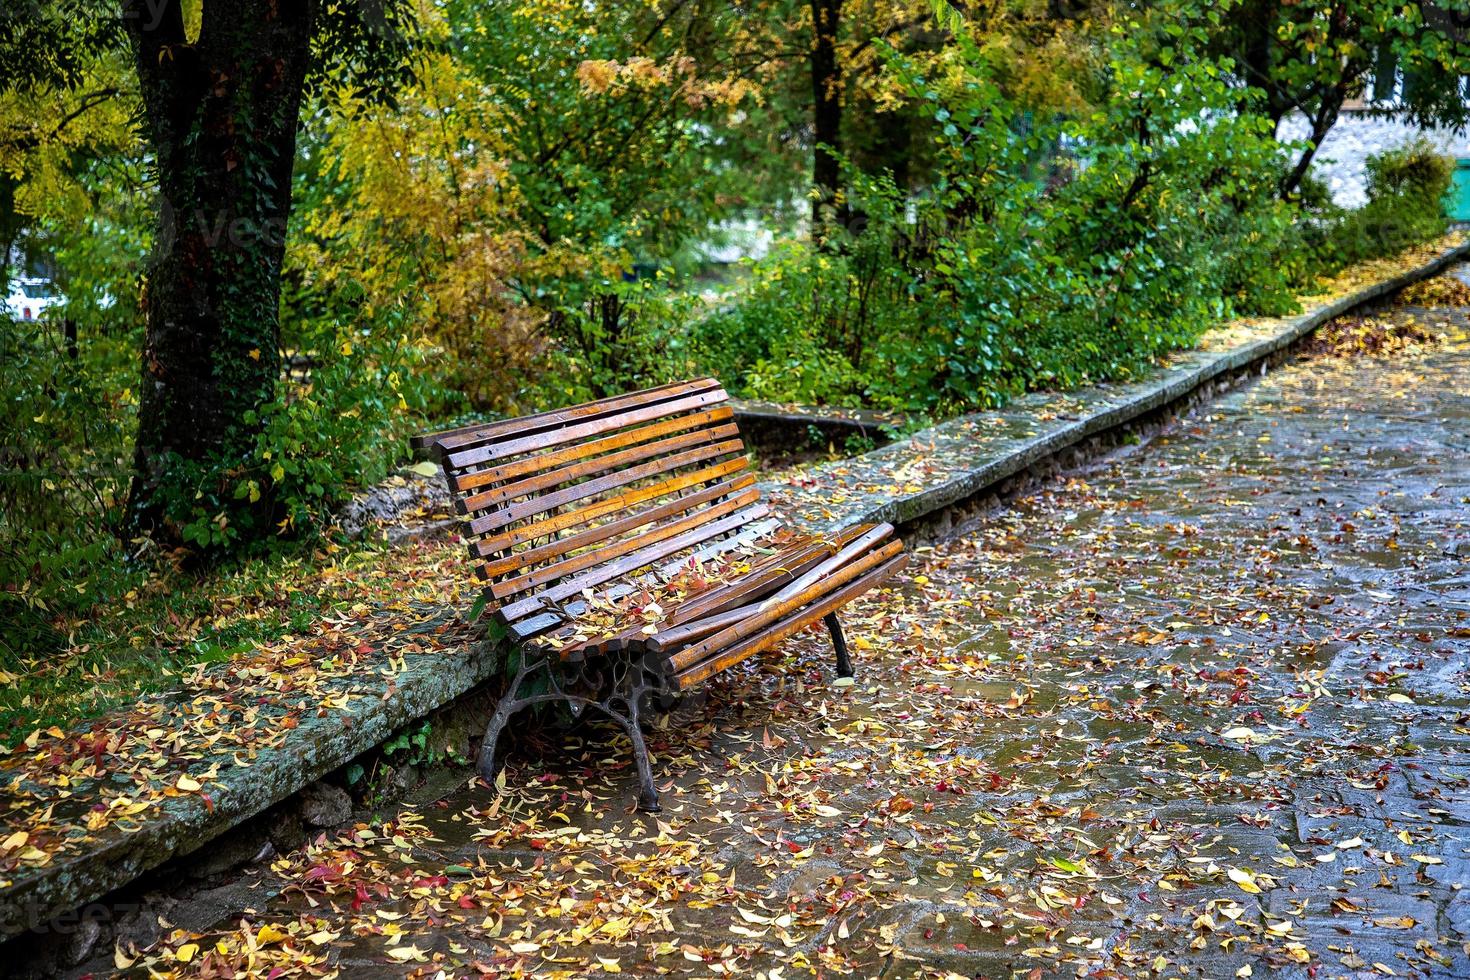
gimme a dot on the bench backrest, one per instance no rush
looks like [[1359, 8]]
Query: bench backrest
[[574, 498]]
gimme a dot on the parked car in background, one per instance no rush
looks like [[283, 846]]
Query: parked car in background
[[30, 298]]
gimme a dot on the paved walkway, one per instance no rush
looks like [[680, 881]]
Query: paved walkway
[[1201, 711]]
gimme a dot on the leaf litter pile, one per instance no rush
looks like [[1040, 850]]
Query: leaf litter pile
[[67, 793], [1199, 712]]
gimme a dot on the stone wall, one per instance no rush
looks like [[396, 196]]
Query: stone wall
[[1358, 136]]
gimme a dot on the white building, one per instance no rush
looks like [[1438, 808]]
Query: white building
[[1357, 136]]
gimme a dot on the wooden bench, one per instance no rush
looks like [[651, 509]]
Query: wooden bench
[[629, 555]]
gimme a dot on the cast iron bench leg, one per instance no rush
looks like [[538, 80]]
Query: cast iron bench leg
[[511, 702], [647, 792], [839, 643]]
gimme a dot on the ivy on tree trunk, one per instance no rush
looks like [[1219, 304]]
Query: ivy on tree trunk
[[221, 111]]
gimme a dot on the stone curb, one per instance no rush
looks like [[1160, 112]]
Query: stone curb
[[430, 680], [958, 471], [318, 746], [772, 427]]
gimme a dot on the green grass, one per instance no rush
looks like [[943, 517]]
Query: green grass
[[159, 622]]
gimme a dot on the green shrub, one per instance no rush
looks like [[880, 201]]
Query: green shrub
[[1406, 190], [66, 464], [63, 473], [343, 427], [613, 335], [1042, 253]]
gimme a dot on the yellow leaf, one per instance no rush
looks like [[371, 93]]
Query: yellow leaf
[[405, 953], [269, 934], [15, 840], [187, 952], [187, 785], [1245, 880]]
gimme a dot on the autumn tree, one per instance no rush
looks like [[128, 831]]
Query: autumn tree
[[857, 117], [221, 86]]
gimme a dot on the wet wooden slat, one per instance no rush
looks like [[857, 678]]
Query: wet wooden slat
[[559, 570], [587, 489], [753, 583], [780, 605], [487, 431], [602, 532], [536, 462], [780, 630], [543, 623], [631, 563], [665, 448], [761, 579], [480, 455], [560, 522]]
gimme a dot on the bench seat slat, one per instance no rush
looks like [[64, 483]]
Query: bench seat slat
[[542, 623], [760, 579], [780, 630], [791, 597]]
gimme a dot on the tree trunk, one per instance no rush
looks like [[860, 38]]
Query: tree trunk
[[10, 226], [826, 107], [221, 114], [1322, 122]]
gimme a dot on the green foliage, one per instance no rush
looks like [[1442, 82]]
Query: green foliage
[[1044, 252], [789, 333], [410, 745], [622, 334], [1406, 190], [63, 470], [343, 427]]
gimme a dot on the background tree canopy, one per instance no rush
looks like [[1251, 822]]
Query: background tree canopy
[[287, 235]]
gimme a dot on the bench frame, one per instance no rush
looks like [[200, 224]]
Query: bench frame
[[636, 690], [628, 676]]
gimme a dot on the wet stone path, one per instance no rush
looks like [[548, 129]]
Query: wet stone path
[[1199, 711]]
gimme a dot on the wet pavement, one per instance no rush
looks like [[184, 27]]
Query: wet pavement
[[1201, 710]]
